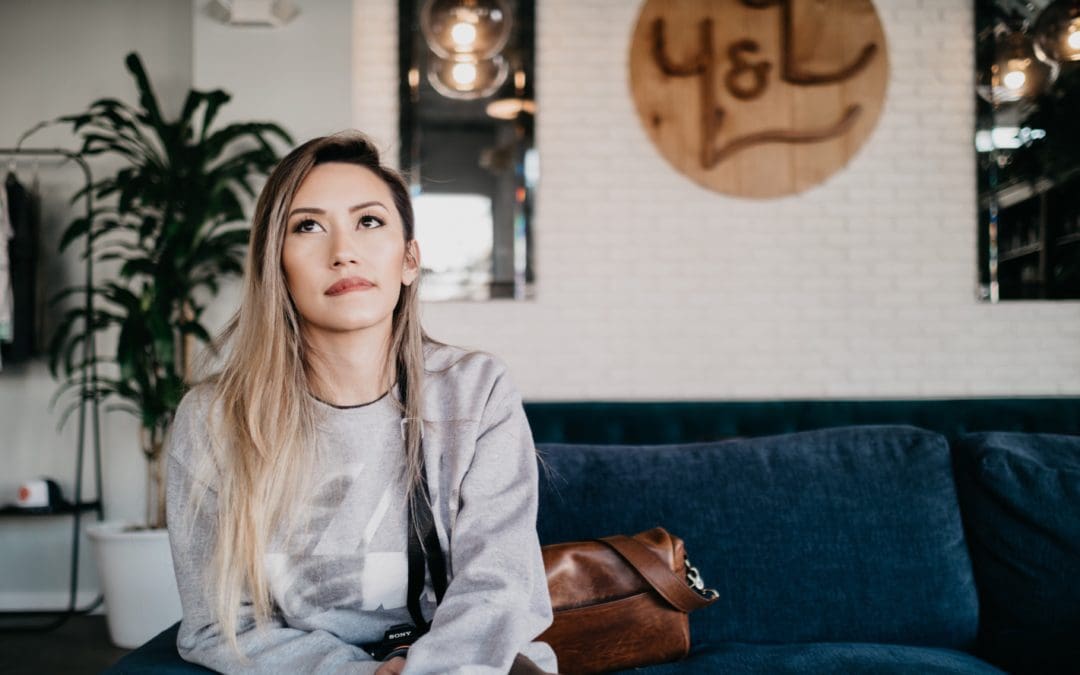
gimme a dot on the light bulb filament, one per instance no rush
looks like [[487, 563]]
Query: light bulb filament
[[1073, 40], [464, 74], [463, 34], [1014, 79]]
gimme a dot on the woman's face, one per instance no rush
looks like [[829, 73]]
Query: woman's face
[[344, 252]]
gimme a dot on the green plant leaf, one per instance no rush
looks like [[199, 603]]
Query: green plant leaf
[[170, 213], [123, 297], [76, 229], [196, 329], [130, 409], [215, 99], [66, 413], [146, 92], [68, 292], [66, 386], [220, 139], [136, 266], [57, 343]]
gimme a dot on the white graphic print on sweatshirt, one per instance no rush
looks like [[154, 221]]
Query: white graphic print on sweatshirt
[[337, 561]]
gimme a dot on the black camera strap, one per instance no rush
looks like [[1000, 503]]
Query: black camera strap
[[436, 563], [425, 523]]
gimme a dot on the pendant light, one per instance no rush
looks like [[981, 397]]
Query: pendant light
[[465, 27], [1057, 32], [465, 76], [1017, 73]]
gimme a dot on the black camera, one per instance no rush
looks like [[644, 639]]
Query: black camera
[[398, 635]]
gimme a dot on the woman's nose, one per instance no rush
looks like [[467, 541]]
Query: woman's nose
[[343, 248]]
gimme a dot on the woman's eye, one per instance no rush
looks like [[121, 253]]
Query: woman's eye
[[304, 226], [371, 222]]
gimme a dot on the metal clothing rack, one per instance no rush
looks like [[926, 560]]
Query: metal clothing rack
[[88, 404]]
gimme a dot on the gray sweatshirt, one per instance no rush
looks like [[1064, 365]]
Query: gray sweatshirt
[[343, 581]]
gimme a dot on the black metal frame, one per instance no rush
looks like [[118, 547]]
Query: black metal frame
[[88, 399]]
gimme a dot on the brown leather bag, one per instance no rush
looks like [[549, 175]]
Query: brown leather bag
[[621, 602]]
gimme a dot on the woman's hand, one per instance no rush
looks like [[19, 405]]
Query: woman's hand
[[392, 667]]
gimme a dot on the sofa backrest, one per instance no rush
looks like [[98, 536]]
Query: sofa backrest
[[1020, 500], [668, 422], [843, 534]]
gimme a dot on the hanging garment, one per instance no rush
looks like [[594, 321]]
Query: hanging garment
[[40, 279], [7, 303], [22, 262]]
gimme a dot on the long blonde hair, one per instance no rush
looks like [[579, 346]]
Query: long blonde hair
[[263, 432]]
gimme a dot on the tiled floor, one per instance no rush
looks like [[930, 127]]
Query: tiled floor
[[81, 645]]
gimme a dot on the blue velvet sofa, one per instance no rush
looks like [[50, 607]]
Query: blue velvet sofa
[[857, 549], [851, 548]]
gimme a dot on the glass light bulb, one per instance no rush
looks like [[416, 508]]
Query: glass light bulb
[[464, 73], [479, 28], [1014, 79], [466, 77], [463, 33], [1056, 34], [1074, 39]]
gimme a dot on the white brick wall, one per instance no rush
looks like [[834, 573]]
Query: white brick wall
[[375, 73], [650, 287]]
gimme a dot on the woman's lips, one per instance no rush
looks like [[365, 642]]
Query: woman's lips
[[350, 284]]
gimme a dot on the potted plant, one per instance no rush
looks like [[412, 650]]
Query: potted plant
[[170, 220]]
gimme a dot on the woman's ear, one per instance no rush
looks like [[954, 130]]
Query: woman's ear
[[410, 264]]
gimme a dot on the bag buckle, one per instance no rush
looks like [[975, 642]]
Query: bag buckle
[[694, 581]]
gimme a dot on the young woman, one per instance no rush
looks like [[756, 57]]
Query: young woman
[[292, 470]]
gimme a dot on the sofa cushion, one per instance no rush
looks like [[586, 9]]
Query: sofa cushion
[[158, 656], [847, 658], [850, 534], [1020, 498]]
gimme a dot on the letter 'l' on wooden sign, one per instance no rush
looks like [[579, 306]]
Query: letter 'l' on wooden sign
[[758, 98]]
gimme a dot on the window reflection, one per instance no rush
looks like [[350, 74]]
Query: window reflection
[[1027, 144], [467, 119], [455, 234]]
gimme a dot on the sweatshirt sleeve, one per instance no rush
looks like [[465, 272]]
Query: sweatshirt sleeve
[[276, 648], [497, 601]]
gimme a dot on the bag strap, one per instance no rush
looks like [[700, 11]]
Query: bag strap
[[653, 568]]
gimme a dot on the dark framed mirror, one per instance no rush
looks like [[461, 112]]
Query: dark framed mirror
[[1027, 145], [467, 116]]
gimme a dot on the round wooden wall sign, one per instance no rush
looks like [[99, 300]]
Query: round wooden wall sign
[[758, 98]]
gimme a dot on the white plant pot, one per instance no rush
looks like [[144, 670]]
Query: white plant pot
[[138, 581]]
